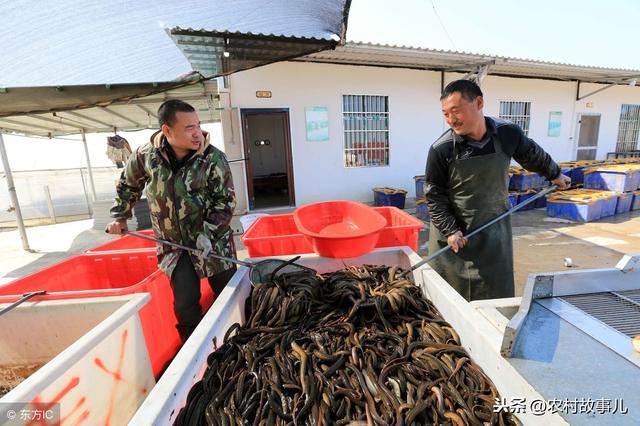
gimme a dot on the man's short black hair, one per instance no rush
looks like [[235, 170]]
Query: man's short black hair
[[467, 89], [168, 109]]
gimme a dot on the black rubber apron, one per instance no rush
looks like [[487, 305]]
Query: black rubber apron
[[478, 192]]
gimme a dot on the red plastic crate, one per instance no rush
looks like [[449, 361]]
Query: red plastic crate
[[126, 242], [115, 274], [402, 229], [277, 235]]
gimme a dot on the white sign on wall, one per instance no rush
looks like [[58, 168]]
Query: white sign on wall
[[317, 120], [555, 122]]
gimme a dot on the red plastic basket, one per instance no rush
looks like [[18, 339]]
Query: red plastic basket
[[275, 235], [115, 274], [340, 229], [402, 229], [278, 235]]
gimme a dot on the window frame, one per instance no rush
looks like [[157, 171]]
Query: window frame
[[345, 149]]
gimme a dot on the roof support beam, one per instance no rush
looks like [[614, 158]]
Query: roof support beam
[[579, 98], [84, 117], [145, 109], [116, 114], [52, 120], [27, 125]]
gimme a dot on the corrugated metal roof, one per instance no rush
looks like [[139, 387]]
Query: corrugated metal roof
[[357, 53], [112, 60], [222, 53], [81, 42]]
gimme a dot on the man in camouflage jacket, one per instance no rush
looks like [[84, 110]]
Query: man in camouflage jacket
[[188, 185]]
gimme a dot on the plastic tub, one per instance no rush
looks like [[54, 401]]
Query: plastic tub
[[170, 394], [89, 355], [115, 274], [340, 229], [389, 197], [278, 235]]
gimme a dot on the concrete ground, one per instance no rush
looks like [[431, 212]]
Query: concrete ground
[[540, 244]]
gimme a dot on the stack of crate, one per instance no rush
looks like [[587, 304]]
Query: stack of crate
[[524, 185], [622, 179]]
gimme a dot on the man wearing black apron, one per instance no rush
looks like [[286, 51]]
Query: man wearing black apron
[[467, 186]]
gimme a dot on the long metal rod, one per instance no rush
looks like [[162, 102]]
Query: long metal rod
[[192, 250], [20, 301], [485, 226], [13, 195], [86, 153]]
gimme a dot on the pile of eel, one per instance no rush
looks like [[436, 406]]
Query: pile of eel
[[360, 346]]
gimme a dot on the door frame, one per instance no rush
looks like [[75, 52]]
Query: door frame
[[577, 146], [246, 112]]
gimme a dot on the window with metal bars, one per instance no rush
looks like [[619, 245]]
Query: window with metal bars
[[517, 112], [628, 128], [366, 130]]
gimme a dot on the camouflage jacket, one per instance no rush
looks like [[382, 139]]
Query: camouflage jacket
[[198, 198]]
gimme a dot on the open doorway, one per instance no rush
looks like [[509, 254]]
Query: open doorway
[[589, 127], [267, 148]]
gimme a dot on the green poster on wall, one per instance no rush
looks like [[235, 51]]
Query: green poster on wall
[[317, 119], [555, 121]]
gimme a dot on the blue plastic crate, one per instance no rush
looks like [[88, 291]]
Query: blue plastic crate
[[422, 210], [382, 198], [421, 184], [524, 196], [612, 180], [578, 211], [577, 175], [624, 202], [540, 203], [513, 199], [609, 206], [635, 204], [525, 181]]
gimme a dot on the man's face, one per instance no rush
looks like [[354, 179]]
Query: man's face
[[185, 133], [462, 115]]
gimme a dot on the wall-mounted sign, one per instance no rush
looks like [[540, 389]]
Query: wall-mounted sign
[[555, 122], [263, 93], [317, 120]]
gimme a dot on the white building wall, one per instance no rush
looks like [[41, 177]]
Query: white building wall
[[319, 173], [607, 103], [415, 119]]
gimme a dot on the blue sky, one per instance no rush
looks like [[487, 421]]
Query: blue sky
[[599, 33]]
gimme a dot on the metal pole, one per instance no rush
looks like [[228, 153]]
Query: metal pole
[[91, 184], [86, 196], [47, 195], [13, 195]]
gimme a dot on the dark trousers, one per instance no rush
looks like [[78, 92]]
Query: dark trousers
[[185, 284]]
